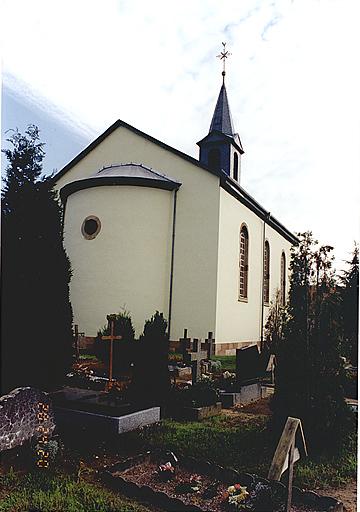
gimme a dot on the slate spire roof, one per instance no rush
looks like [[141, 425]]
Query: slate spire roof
[[222, 120]]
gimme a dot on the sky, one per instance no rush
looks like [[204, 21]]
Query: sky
[[74, 67]]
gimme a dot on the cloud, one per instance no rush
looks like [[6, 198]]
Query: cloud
[[291, 82]]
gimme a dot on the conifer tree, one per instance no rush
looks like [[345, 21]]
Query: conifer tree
[[151, 379], [350, 308], [309, 373], [36, 332]]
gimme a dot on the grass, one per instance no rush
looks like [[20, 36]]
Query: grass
[[47, 492], [227, 362], [241, 441], [87, 357], [247, 447]]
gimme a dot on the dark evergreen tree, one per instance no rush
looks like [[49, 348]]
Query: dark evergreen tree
[[350, 308], [151, 378], [309, 373], [36, 331]]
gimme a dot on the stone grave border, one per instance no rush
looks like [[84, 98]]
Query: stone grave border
[[227, 475]]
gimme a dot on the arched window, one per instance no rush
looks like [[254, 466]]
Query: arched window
[[214, 159], [236, 166], [266, 277], [283, 279], [243, 263]]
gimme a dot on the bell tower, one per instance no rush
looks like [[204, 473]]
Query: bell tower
[[221, 149]]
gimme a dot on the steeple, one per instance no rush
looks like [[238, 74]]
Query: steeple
[[221, 149], [221, 120]]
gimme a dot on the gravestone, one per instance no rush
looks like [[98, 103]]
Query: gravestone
[[25, 413], [248, 364], [194, 358], [210, 345]]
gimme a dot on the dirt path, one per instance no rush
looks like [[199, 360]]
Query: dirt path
[[347, 494]]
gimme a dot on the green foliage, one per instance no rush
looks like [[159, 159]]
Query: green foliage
[[201, 394], [151, 378], [350, 308], [155, 329], [309, 373], [275, 323], [227, 362], [36, 312], [247, 446], [57, 493], [123, 350]]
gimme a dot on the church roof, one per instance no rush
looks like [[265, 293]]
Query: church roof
[[227, 183], [122, 174], [222, 120]]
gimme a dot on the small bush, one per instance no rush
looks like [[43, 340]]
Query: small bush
[[151, 378], [123, 350], [201, 394]]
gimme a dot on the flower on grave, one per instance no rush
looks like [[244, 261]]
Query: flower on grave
[[166, 471], [195, 482], [236, 495]]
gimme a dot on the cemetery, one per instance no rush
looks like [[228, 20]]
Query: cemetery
[[109, 410], [149, 424]]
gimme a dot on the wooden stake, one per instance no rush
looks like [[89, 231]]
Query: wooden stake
[[112, 337], [290, 475]]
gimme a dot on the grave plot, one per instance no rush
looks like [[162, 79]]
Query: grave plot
[[189, 485], [196, 399], [247, 384], [112, 410]]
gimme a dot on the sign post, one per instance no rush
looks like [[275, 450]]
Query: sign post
[[289, 449]]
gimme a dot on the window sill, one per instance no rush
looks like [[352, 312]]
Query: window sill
[[267, 304], [242, 299]]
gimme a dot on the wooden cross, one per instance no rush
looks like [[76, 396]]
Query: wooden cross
[[194, 358], [111, 324]]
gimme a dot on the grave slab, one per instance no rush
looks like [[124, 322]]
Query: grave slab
[[104, 424]]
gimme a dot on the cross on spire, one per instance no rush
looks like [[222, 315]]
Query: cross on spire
[[223, 56]]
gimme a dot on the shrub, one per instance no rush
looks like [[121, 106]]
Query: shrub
[[309, 373], [151, 378], [123, 350], [201, 394]]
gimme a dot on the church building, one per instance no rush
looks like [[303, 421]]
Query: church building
[[147, 227]]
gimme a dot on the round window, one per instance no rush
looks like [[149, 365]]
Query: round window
[[90, 227]]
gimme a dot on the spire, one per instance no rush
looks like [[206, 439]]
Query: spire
[[221, 120], [221, 149]]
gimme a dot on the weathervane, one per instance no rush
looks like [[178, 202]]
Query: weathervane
[[223, 56]]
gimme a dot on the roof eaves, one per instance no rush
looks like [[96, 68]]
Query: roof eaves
[[244, 197]]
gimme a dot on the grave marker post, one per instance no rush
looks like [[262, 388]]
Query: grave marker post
[[76, 341], [185, 344], [195, 357], [111, 325], [210, 345], [287, 452]]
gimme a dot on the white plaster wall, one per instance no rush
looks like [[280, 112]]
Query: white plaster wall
[[197, 224], [111, 271], [238, 321]]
